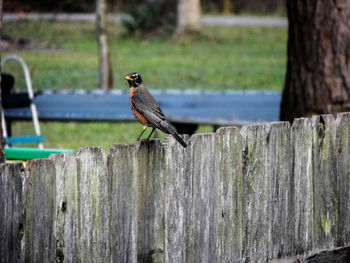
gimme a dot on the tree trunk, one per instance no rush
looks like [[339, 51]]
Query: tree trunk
[[188, 15], [2, 143], [105, 65], [226, 7], [318, 67]]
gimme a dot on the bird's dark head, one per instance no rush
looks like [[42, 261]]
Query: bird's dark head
[[134, 79]]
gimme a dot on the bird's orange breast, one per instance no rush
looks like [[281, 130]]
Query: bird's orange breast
[[137, 115]]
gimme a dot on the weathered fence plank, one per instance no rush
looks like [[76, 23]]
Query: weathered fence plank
[[40, 242], [67, 208], [204, 199], [150, 187], [11, 212], [343, 176], [280, 210], [123, 211], [230, 193], [255, 196], [325, 214], [266, 193], [93, 205], [136, 194], [263, 192], [302, 186], [178, 201]]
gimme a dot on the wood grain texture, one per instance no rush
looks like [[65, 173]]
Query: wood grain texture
[[267, 192], [40, 240], [343, 176], [67, 208], [302, 186], [178, 200], [325, 215], [136, 194], [203, 198], [12, 176], [123, 209], [229, 238], [93, 205]]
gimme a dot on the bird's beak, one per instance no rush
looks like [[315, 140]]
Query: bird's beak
[[128, 78]]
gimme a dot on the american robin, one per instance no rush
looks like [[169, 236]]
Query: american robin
[[146, 109]]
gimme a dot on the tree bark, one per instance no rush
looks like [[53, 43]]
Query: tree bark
[[2, 142], [318, 68], [105, 65], [226, 7], [188, 15]]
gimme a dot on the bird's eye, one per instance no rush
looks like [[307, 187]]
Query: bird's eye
[[134, 76]]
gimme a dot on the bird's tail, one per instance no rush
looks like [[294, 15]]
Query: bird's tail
[[174, 134]]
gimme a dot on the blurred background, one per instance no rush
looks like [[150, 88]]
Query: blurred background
[[170, 50], [252, 7]]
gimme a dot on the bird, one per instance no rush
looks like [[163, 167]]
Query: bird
[[146, 109]]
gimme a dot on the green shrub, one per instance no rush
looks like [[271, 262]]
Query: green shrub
[[150, 17]]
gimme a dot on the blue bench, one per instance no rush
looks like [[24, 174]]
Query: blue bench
[[184, 109]]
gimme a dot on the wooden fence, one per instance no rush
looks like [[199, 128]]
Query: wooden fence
[[262, 192]]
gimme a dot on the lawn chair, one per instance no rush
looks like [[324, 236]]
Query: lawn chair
[[19, 100], [27, 98]]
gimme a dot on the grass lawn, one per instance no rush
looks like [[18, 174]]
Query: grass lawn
[[64, 56]]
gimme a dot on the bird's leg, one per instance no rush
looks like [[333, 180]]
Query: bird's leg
[[144, 128], [149, 136]]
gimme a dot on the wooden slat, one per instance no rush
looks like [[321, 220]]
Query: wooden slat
[[325, 214], [40, 241], [136, 194], [267, 164], [68, 231], [12, 218], [178, 200], [343, 176], [229, 238], [302, 186], [94, 205], [123, 196]]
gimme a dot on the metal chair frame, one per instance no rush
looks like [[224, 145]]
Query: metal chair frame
[[33, 107]]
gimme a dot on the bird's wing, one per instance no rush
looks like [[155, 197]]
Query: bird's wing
[[145, 104]]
